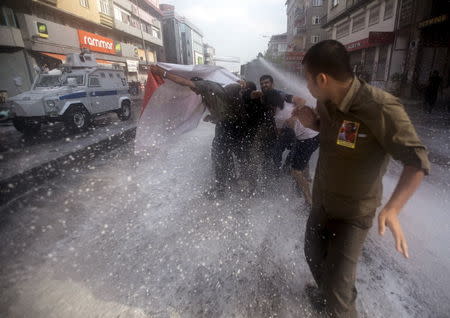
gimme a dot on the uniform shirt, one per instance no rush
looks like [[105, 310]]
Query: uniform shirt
[[356, 138], [215, 99]]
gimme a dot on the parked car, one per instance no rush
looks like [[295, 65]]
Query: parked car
[[73, 95]]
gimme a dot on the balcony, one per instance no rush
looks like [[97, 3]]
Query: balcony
[[106, 20], [10, 36], [119, 25]]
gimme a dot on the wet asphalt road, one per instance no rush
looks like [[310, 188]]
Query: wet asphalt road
[[129, 237]]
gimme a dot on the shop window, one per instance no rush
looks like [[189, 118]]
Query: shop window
[[374, 15], [359, 22], [388, 9], [94, 81], [84, 3], [316, 19], [342, 30]]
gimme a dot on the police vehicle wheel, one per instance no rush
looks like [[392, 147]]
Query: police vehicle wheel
[[125, 111], [77, 119], [26, 127]]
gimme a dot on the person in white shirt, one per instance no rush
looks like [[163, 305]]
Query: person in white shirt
[[307, 141]]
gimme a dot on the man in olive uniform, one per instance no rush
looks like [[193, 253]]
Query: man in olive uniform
[[225, 106], [360, 126]]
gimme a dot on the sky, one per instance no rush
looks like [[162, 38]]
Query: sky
[[235, 27]]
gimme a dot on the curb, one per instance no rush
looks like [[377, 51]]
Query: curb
[[14, 186]]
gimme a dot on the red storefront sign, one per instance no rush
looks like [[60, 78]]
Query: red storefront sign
[[294, 56], [96, 42], [374, 39]]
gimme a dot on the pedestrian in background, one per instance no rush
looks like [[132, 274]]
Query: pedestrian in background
[[432, 90], [360, 126]]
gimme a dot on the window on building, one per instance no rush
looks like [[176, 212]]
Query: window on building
[[316, 19], [103, 6], [388, 9], [84, 3], [315, 39], [7, 17], [359, 22], [156, 32], [125, 18], [342, 30], [334, 3], [374, 15], [317, 3]]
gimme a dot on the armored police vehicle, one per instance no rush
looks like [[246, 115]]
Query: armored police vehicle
[[73, 95]]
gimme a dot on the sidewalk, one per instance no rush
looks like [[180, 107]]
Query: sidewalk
[[433, 129], [27, 161]]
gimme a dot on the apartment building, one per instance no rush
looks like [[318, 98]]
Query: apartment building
[[304, 28], [41, 32], [183, 41], [366, 28]]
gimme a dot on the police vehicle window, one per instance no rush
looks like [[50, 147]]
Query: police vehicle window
[[94, 81], [118, 75], [79, 78], [110, 75], [48, 81], [103, 75]]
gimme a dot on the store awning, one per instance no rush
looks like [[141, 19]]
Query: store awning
[[60, 57]]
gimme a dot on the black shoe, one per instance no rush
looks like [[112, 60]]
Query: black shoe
[[315, 298]]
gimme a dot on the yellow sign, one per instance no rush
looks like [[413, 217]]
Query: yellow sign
[[42, 30]]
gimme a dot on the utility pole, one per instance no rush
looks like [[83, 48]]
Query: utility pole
[[142, 33]]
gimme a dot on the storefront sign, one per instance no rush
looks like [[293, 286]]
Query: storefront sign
[[42, 30], [435, 20], [294, 56], [374, 39], [96, 43], [357, 45], [132, 66], [381, 38]]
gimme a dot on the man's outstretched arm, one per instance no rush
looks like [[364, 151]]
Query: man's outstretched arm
[[408, 183], [174, 78]]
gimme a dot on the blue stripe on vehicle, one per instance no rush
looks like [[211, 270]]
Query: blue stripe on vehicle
[[104, 93], [73, 95]]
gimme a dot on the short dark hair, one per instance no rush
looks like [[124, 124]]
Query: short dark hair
[[233, 93], [266, 76], [329, 57]]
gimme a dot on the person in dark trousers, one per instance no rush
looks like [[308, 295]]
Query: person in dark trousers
[[432, 90], [227, 112], [360, 127]]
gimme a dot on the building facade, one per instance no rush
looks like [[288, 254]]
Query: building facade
[[209, 53], [366, 28], [183, 41], [277, 47], [422, 45], [305, 19], [40, 33]]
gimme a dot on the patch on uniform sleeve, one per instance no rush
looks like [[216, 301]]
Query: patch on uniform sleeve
[[348, 133]]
